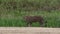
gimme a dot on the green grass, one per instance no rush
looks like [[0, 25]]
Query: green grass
[[13, 19], [13, 11]]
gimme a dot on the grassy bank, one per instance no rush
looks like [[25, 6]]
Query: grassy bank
[[16, 19], [12, 12]]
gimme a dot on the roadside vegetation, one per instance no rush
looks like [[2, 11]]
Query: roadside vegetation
[[13, 11]]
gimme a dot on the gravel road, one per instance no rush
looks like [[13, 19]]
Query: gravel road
[[29, 30]]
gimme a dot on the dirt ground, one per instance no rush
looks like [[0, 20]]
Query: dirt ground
[[29, 30]]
